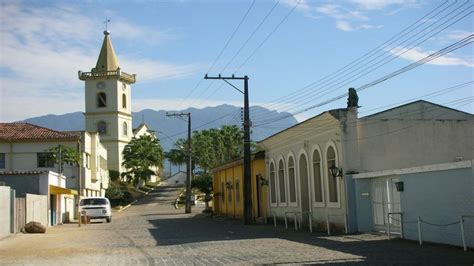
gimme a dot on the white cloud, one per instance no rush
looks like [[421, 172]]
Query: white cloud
[[456, 35], [42, 48], [344, 25], [382, 4], [353, 15], [417, 54]]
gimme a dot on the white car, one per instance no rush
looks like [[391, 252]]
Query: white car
[[96, 208]]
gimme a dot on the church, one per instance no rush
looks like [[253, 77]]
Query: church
[[108, 109]]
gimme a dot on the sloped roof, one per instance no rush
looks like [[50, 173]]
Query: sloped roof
[[336, 113], [27, 131], [421, 110], [107, 60]]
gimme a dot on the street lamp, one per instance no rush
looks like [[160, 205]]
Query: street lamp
[[335, 172]]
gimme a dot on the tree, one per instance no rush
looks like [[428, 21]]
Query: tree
[[139, 155], [204, 184], [62, 154]]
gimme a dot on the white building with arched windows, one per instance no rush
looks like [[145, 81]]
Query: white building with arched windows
[[372, 154]]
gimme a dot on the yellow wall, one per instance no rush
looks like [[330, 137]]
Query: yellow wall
[[233, 174]]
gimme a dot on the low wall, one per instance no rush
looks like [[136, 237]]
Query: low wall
[[37, 208], [439, 198], [5, 212]]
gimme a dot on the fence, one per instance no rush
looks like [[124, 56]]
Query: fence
[[419, 221]]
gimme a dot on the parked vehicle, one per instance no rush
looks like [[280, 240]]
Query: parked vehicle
[[96, 208]]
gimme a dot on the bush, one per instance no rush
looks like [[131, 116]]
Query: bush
[[114, 175], [114, 191]]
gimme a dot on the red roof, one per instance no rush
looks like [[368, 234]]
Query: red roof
[[26, 131]]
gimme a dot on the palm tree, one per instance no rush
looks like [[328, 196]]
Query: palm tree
[[139, 155]]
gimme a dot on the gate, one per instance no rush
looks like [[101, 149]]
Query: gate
[[385, 199]]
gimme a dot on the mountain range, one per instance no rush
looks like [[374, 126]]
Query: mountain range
[[169, 129]]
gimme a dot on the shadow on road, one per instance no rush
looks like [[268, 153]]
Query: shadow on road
[[199, 229]]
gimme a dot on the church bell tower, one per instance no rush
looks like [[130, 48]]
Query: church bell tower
[[108, 103]]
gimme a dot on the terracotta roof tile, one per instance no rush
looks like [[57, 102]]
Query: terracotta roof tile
[[26, 131]]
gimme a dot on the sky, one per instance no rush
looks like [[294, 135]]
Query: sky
[[283, 46]]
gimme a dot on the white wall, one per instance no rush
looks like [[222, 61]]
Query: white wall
[[4, 211], [37, 208], [316, 133]]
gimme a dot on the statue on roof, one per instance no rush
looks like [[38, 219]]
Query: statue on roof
[[352, 99]]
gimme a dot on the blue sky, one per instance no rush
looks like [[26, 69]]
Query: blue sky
[[170, 45]]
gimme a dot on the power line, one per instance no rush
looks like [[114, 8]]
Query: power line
[[384, 60], [221, 52], [448, 49]]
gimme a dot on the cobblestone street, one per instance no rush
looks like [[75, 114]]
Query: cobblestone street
[[152, 232]]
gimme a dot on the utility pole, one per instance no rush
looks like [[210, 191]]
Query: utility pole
[[188, 165], [247, 161]]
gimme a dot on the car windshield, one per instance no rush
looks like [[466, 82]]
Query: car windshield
[[93, 202]]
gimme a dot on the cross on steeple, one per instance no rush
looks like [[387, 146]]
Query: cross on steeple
[[106, 22]]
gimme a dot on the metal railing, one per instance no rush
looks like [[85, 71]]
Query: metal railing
[[328, 227]]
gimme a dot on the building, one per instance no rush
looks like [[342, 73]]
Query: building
[[60, 201], [108, 103], [24, 147], [412, 135], [228, 187]]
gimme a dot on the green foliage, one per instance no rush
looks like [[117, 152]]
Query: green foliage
[[212, 147], [114, 175], [114, 191], [139, 155], [203, 183], [68, 155]]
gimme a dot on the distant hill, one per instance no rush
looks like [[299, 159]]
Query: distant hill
[[169, 129]]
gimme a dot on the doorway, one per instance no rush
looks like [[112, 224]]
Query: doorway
[[385, 199]]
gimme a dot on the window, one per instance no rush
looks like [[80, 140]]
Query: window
[[332, 182], [281, 181], [292, 179], [229, 193], [237, 190], [45, 159], [124, 101], [317, 180], [88, 160], [2, 160], [101, 99], [273, 196], [102, 127], [223, 192], [125, 128]]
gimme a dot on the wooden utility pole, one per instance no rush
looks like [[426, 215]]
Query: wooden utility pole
[[188, 165], [247, 171]]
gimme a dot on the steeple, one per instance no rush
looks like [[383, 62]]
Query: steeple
[[107, 60], [107, 65]]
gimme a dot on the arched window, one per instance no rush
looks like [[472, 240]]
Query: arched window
[[317, 178], [124, 101], [292, 179], [101, 99], [273, 196], [281, 181], [125, 128], [102, 127], [332, 181]]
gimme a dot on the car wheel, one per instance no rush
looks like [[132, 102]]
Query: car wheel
[[108, 219]]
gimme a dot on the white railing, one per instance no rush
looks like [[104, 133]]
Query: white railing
[[419, 222], [328, 224]]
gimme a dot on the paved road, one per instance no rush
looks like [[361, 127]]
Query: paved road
[[152, 232]]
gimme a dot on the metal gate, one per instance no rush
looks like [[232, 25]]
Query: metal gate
[[385, 199]]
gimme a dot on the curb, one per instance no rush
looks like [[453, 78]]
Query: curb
[[126, 207]]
